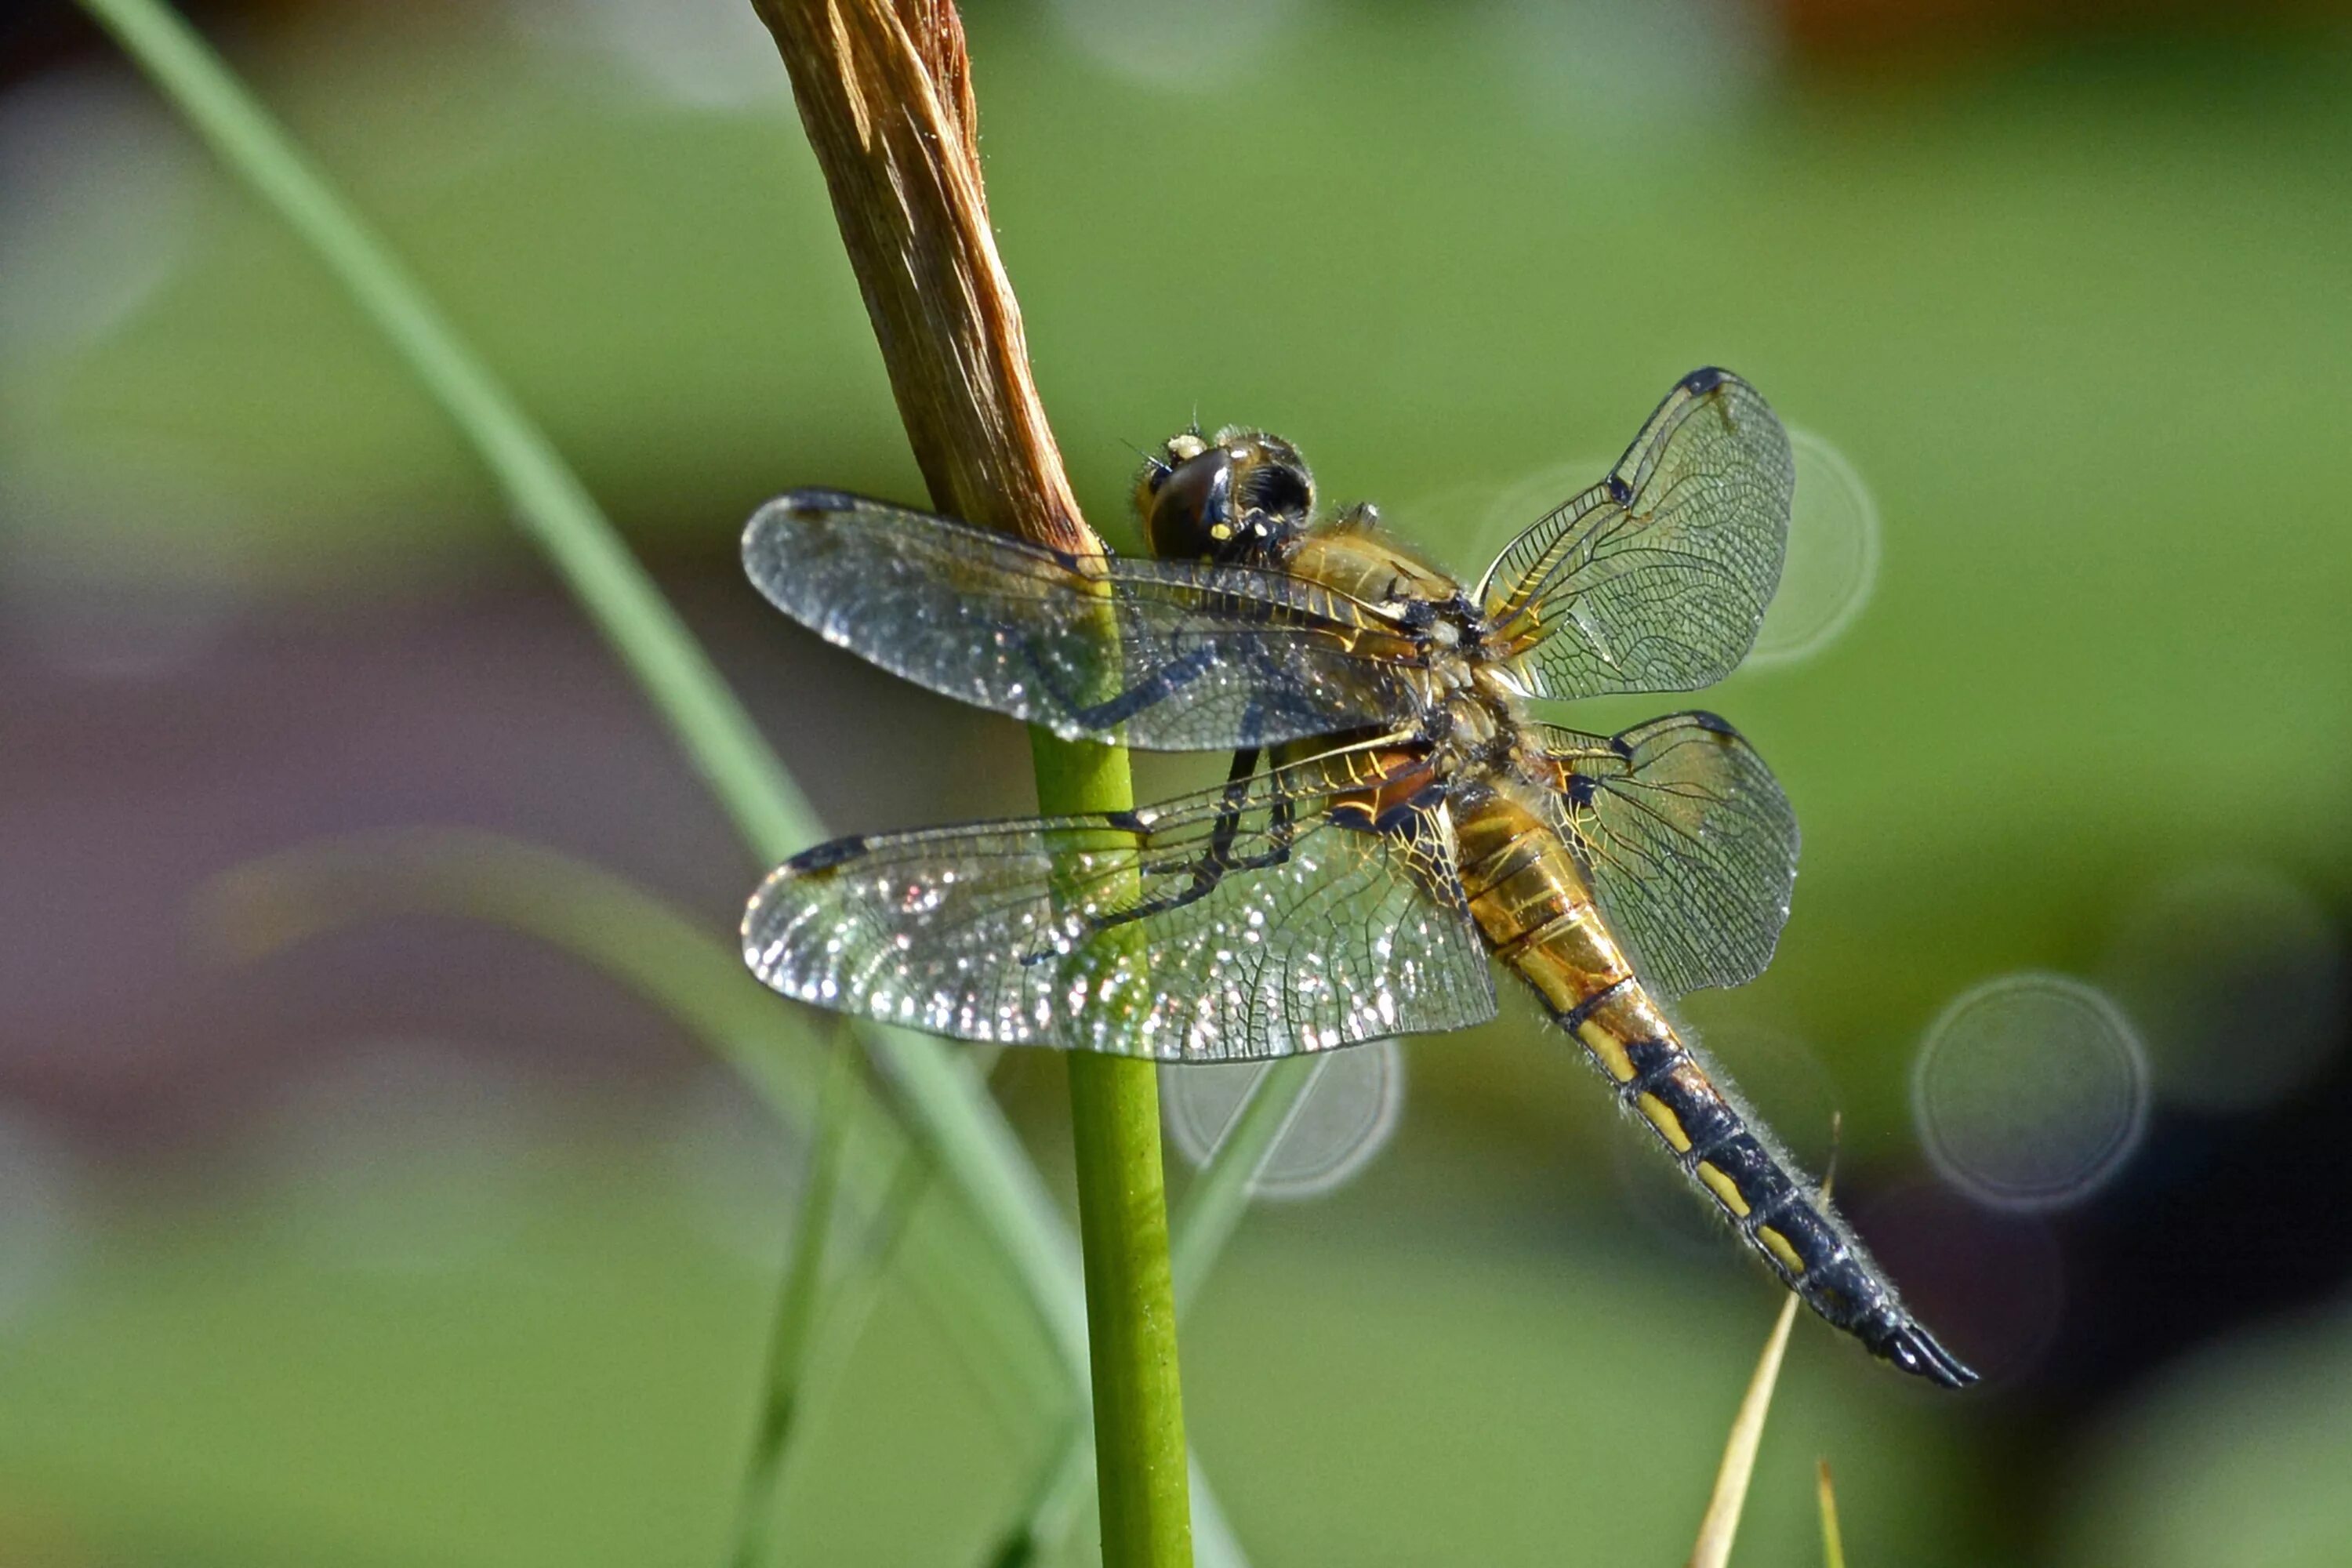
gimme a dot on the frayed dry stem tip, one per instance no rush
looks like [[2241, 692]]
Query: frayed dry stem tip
[[884, 92]]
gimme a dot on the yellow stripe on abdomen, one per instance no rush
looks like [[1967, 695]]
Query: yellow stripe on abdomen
[[1531, 901]]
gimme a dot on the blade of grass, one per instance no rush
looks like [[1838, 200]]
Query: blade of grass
[[1219, 1193], [1833, 1542], [839, 1311], [974, 1147], [641, 943], [1721, 1522], [794, 1330], [966, 1134], [850, 1301], [550, 502]]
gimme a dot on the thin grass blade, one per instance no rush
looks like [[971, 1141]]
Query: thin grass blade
[[975, 1149], [1721, 1522], [644, 944], [1833, 1542], [793, 1332]]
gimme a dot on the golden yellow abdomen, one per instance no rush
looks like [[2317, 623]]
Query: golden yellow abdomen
[[1532, 899]]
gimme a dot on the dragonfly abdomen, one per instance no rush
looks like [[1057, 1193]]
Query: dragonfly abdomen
[[1531, 901]]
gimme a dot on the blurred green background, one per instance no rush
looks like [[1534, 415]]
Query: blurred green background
[[423, 1244]]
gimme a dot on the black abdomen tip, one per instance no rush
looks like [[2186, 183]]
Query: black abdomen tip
[[1914, 1350]]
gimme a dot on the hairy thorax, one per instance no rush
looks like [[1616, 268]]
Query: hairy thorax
[[1473, 711]]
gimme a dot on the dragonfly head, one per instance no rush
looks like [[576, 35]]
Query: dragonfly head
[[1237, 500]]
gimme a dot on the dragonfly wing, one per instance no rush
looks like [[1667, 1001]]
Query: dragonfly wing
[[1688, 842], [1167, 655], [1656, 578], [1258, 919]]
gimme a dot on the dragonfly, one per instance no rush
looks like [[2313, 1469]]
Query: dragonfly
[[1395, 822]]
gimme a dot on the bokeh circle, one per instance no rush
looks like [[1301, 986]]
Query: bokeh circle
[[1832, 565], [2029, 1092], [1343, 1120]]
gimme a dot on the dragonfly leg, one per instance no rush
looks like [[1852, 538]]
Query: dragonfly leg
[[1211, 867]]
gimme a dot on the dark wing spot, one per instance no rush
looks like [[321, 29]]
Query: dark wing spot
[[1125, 821], [1713, 723], [1405, 818], [825, 856], [1619, 491], [1705, 379]]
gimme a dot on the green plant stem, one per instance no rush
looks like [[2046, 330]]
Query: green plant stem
[[1139, 1408], [1202, 1223], [884, 93], [1130, 1311]]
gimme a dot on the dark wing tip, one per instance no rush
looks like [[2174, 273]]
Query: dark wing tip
[[813, 499], [826, 855], [811, 502], [759, 534]]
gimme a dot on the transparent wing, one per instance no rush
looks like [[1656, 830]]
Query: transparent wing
[[1656, 578], [1274, 915], [1172, 656], [1690, 846]]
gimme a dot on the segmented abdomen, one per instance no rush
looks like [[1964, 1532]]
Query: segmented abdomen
[[1535, 910]]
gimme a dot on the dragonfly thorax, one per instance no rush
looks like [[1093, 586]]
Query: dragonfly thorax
[[1475, 714]]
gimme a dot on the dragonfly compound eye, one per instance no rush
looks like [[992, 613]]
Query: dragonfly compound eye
[[1235, 502], [1187, 505]]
